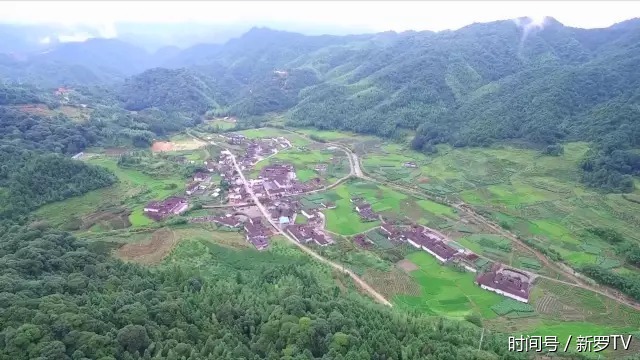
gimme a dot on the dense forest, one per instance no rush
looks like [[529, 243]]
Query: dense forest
[[483, 84], [61, 300]]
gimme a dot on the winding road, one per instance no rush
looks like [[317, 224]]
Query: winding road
[[363, 285], [356, 171], [464, 208]]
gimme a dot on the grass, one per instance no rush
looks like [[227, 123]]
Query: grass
[[267, 132], [437, 209], [535, 195], [446, 291], [305, 161], [345, 221], [133, 190]]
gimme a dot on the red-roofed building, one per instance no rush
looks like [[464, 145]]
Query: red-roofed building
[[192, 187], [506, 282], [159, 210], [201, 176], [229, 220]]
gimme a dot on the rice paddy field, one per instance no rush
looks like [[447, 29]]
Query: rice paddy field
[[386, 202], [446, 291], [535, 196]]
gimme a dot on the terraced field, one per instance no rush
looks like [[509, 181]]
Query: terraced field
[[535, 196]]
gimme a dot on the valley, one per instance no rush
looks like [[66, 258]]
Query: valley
[[391, 195], [452, 193]]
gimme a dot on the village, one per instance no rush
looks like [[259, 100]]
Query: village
[[278, 189]]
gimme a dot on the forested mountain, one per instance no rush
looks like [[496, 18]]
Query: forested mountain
[[502, 81], [485, 83], [60, 300]]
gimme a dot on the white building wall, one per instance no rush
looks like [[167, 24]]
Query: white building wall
[[470, 268], [181, 209], [514, 297], [434, 254], [413, 243]]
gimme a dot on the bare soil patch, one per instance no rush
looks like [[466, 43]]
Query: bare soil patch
[[149, 252], [190, 144], [160, 146], [423, 180], [407, 265]]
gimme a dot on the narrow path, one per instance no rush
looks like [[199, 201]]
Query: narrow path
[[464, 208], [381, 299], [356, 171]]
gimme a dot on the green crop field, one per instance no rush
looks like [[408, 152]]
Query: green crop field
[[343, 219], [133, 190], [305, 161], [446, 291], [492, 246], [380, 240], [267, 132], [437, 209], [535, 195]]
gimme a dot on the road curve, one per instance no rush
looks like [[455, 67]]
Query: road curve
[[363, 285], [462, 207]]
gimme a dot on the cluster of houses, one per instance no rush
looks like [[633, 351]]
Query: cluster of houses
[[159, 210], [305, 233], [257, 233], [273, 187], [506, 282], [363, 209], [498, 278], [201, 181]]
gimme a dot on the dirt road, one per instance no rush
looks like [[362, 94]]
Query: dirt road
[[464, 208], [363, 285]]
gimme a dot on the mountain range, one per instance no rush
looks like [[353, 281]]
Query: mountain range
[[512, 80]]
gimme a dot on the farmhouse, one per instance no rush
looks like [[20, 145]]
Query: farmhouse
[[362, 240], [328, 205], [309, 213], [159, 210], [280, 175], [200, 176], [77, 156], [410, 164], [506, 282], [260, 243], [388, 230], [300, 232], [365, 212], [320, 239], [440, 250], [256, 233], [211, 165], [235, 139], [192, 187], [305, 234], [228, 220], [423, 239]]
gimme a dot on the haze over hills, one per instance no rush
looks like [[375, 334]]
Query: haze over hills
[[449, 86], [458, 136]]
